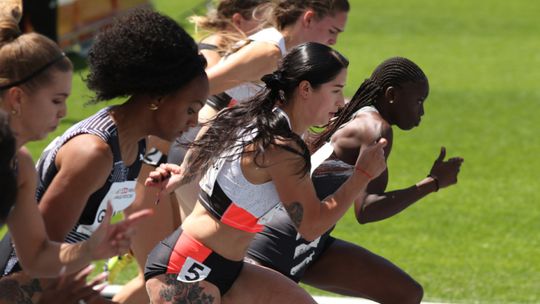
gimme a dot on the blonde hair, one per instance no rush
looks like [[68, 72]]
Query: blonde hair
[[26, 59]]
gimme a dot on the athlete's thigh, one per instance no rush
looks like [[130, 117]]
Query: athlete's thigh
[[166, 288], [258, 284], [351, 270]]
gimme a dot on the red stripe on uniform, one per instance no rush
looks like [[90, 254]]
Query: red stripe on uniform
[[186, 246], [232, 103], [239, 218]]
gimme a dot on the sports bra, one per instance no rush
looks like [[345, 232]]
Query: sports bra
[[232, 199]]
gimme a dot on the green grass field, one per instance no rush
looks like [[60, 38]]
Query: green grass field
[[477, 242]]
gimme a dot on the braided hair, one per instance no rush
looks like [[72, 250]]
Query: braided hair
[[313, 62], [392, 72]]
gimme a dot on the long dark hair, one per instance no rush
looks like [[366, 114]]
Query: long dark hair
[[391, 72], [313, 62]]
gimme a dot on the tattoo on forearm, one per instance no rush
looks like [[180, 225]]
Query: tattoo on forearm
[[296, 213], [183, 293], [12, 292], [187, 178]]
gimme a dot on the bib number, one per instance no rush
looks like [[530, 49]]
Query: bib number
[[193, 271]]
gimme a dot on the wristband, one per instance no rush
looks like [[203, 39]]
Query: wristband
[[363, 172], [436, 181]]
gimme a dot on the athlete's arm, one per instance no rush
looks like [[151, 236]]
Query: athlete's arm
[[84, 164], [249, 63], [38, 256], [311, 216], [379, 204], [377, 207], [41, 257]]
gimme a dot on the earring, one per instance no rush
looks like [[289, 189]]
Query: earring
[[391, 101], [14, 112], [153, 107]]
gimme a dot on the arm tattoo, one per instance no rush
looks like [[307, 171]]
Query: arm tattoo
[[187, 178], [296, 213], [12, 292], [177, 292]]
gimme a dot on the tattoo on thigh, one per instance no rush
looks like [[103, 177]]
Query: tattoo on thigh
[[183, 293], [13, 292], [296, 212]]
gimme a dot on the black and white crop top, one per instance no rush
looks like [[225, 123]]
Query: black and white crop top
[[232, 199]]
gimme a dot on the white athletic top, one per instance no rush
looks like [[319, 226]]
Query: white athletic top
[[247, 90], [231, 198]]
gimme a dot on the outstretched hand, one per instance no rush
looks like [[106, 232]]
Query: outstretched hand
[[167, 177], [114, 239], [445, 172], [371, 161]]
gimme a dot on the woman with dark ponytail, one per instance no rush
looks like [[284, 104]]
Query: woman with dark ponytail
[[393, 95], [258, 162], [236, 78]]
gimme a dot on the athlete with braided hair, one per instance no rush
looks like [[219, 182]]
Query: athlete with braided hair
[[393, 95], [259, 162]]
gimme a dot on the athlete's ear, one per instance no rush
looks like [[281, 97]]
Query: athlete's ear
[[304, 89], [308, 17], [14, 98], [237, 19], [390, 94]]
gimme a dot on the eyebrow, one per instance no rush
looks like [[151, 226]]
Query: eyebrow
[[339, 30], [62, 94], [339, 85]]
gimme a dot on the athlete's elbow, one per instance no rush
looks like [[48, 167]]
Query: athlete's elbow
[[361, 219], [34, 265]]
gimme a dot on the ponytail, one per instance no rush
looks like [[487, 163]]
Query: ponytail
[[10, 15], [26, 59]]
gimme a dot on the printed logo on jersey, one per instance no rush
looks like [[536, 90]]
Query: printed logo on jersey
[[121, 195]]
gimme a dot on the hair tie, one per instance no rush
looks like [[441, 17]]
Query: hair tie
[[274, 81]]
